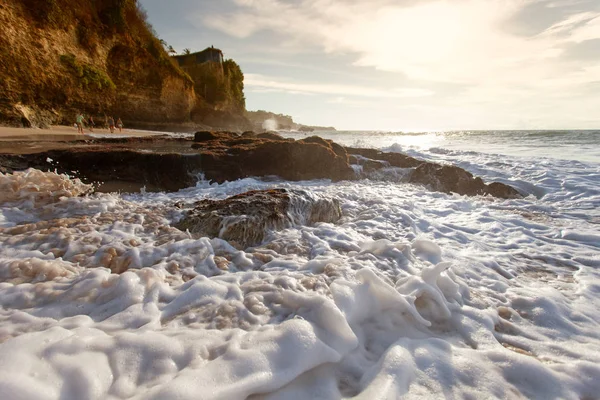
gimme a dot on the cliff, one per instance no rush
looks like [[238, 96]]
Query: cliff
[[59, 57]]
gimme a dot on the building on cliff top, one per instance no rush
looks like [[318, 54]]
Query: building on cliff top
[[206, 70], [210, 54]]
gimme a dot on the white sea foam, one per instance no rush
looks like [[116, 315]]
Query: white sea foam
[[412, 293]]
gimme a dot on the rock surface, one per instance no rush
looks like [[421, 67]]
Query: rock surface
[[449, 178], [393, 159], [160, 163], [229, 158], [246, 218], [442, 178]]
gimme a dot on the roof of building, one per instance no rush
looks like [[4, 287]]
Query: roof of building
[[207, 50]]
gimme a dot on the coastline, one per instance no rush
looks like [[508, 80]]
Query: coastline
[[61, 132]]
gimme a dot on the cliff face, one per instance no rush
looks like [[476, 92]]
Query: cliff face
[[219, 86], [59, 57]]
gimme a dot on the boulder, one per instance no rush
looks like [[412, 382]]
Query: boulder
[[442, 178], [393, 159], [336, 148], [447, 178], [367, 164], [292, 160], [207, 136], [503, 191], [452, 179], [270, 136], [245, 219], [204, 136]]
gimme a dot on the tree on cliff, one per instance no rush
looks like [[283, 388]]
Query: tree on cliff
[[187, 51]]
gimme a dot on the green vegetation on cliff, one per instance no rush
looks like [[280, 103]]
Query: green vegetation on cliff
[[60, 57], [219, 85], [89, 77], [235, 84]]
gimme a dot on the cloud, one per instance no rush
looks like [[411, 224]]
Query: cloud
[[460, 41], [257, 82], [500, 61], [586, 50]]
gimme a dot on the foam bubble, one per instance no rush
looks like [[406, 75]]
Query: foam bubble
[[411, 293]]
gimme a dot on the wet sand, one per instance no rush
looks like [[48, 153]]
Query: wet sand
[[60, 133], [32, 140]]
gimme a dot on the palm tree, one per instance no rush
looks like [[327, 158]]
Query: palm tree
[[187, 51], [171, 50]]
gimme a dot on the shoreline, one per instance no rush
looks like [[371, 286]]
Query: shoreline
[[63, 132]]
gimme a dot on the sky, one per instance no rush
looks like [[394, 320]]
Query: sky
[[404, 65]]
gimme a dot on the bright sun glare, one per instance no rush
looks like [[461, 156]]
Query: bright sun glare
[[425, 33]]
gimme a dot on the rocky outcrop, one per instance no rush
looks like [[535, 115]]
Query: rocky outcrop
[[245, 219], [174, 164], [168, 164], [452, 179], [228, 158], [391, 159], [441, 178]]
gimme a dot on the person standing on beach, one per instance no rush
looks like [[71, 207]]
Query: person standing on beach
[[91, 123], [120, 124], [80, 123], [111, 124]]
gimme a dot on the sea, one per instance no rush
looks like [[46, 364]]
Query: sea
[[412, 294]]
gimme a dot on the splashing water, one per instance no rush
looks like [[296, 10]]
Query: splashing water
[[411, 293]]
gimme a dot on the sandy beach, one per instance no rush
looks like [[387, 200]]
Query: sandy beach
[[33, 140], [61, 132]]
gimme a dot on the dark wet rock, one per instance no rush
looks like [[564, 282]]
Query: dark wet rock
[[447, 178], [270, 136], [442, 178], [169, 164], [157, 171], [204, 136], [393, 159], [336, 148], [245, 219], [367, 164], [452, 179], [230, 159], [174, 164], [502, 191]]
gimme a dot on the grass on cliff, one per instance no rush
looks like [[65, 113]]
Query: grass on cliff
[[88, 76], [96, 21], [220, 85], [235, 86]]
